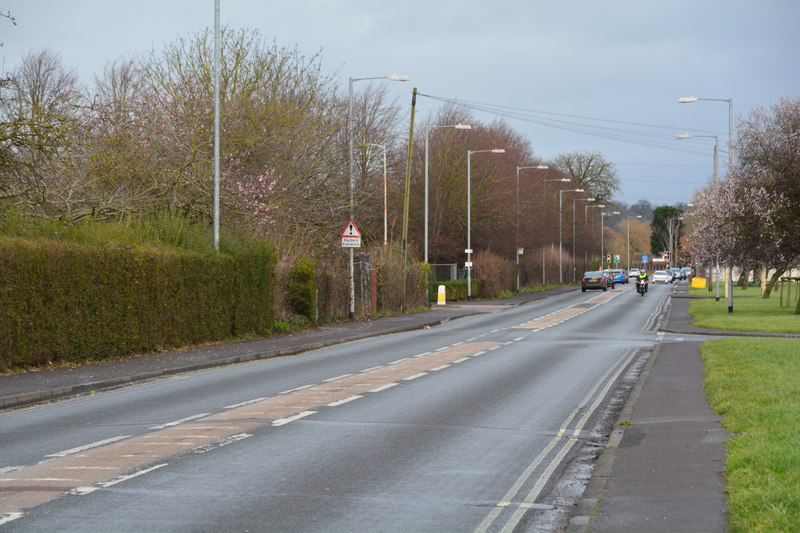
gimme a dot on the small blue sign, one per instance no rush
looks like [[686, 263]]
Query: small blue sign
[[644, 259]]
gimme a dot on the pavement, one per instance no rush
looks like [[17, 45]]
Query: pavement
[[661, 471]]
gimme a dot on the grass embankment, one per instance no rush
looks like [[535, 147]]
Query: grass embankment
[[754, 383]]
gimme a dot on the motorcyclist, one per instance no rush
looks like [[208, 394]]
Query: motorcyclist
[[643, 278]]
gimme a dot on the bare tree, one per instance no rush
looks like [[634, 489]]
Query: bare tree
[[590, 171]]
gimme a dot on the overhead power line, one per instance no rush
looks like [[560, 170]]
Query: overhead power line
[[597, 127]]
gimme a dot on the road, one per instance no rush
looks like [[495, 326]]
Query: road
[[467, 426]]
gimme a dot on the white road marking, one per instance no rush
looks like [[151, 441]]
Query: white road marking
[[88, 446], [304, 387], [179, 422], [461, 360], [400, 360], [439, 368], [8, 517], [336, 378], [415, 376], [284, 421], [9, 469], [373, 368], [383, 387], [120, 479], [344, 401], [248, 402]]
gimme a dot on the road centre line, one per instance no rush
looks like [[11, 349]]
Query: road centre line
[[304, 387], [415, 376], [337, 378], [248, 402], [383, 387], [85, 447], [179, 422], [298, 416], [9, 517], [344, 401], [442, 367]]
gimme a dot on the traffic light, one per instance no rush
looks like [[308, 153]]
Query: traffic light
[[666, 256]]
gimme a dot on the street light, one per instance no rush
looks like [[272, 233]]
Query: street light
[[585, 220], [469, 242], [629, 240], [691, 99], [537, 167], [393, 77], [560, 252], [385, 214], [458, 126], [565, 180], [603, 214], [684, 136], [573, 229]]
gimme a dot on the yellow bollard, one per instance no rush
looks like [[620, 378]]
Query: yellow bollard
[[442, 298]]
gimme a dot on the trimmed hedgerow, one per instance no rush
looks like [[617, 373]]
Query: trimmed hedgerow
[[63, 301], [303, 288]]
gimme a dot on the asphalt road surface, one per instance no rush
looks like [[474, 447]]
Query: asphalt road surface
[[467, 426]]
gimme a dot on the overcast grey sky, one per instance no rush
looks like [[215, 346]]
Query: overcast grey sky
[[624, 62]]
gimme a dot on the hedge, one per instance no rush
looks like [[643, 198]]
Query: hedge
[[62, 301], [454, 290]]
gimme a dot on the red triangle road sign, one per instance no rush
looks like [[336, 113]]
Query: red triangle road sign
[[351, 230]]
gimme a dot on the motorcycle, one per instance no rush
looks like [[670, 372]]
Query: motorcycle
[[641, 286]]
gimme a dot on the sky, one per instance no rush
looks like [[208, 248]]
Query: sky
[[570, 76]]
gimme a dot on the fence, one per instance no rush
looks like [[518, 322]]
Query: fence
[[444, 272]]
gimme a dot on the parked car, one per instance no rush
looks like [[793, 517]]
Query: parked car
[[661, 276], [594, 280], [676, 273], [619, 275]]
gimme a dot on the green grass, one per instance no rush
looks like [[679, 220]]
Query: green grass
[[755, 385], [750, 312]]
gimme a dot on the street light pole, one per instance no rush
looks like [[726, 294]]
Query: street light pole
[[537, 167], [603, 214], [560, 250], [469, 230], [691, 99], [458, 126], [713, 187], [385, 209], [393, 77], [585, 220], [544, 282], [573, 230], [629, 240]]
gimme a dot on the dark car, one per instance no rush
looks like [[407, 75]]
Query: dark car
[[594, 280], [609, 278]]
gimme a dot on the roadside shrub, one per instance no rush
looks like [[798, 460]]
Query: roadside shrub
[[496, 273], [303, 288]]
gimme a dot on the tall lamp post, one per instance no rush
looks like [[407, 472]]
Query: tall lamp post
[[629, 240], [560, 251], [585, 219], [469, 230], [458, 126], [565, 180], [574, 200], [385, 209], [684, 136], [393, 77], [537, 167], [603, 214], [692, 99]]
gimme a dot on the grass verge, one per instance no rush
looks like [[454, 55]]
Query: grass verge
[[750, 313], [755, 385]]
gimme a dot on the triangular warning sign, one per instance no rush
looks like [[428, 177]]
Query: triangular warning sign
[[351, 230]]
